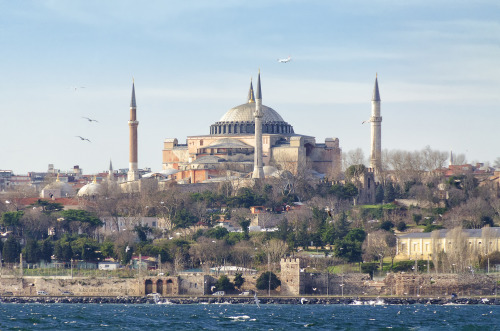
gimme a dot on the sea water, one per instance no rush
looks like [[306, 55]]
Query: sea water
[[247, 317]]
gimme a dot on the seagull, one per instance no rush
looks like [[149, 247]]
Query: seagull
[[77, 87], [257, 301], [366, 121], [83, 138], [4, 234], [90, 119]]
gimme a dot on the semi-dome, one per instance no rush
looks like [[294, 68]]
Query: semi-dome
[[240, 120]]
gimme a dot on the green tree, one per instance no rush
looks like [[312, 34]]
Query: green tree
[[401, 226], [245, 223], [350, 247], [108, 249], [389, 193], [11, 250], [417, 218], [263, 281], [224, 284], [66, 252], [238, 280], [48, 206], [217, 232], [32, 252], [387, 225], [350, 190], [83, 216], [379, 194], [47, 249], [142, 232]]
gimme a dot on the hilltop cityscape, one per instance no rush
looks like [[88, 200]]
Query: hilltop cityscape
[[253, 206]]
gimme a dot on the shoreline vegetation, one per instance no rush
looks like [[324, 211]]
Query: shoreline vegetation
[[366, 300]]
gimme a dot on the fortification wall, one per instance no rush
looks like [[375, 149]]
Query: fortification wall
[[78, 286]]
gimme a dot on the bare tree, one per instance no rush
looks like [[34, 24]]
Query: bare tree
[[275, 250], [460, 255], [353, 157], [376, 246]]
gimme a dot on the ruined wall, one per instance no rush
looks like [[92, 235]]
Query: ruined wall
[[411, 284], [77, 286]]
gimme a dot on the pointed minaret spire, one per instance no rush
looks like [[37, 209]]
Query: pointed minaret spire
[[132, 100], [258, 168], [376, 94], [251, 98], [110, 171]]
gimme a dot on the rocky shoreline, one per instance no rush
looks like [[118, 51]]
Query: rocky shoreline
[[250, 300]]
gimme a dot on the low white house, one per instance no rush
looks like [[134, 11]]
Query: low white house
[[107, 265]]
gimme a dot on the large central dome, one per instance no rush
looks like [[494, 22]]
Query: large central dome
[[244, 113], [240, 120]]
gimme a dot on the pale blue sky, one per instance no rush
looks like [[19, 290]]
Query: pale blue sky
[[438, 64]]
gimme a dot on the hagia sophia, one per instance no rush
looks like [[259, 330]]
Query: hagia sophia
[[230, 147], [249, 142]]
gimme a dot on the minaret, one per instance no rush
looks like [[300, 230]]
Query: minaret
[[133, 173], [451, 159], [258, 170], [110, 172], [376, 120]]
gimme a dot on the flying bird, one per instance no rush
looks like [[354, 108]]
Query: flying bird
[[82, 138], [90, 119], [77, 87], [366, 121], [288, 59]]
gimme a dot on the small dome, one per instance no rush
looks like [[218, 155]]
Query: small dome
[[89, 189], [66, 189]]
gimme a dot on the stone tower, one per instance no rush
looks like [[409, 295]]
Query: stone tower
[[258, 168], [376, 121], [133, 173]]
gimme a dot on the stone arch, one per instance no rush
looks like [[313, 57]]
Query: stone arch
[[170, 287], [159, 286], [148, 286]]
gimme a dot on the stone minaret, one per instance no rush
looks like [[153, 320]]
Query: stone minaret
[[110, 172], [451, 159], [133, 173], [258, 170], [376, 120]]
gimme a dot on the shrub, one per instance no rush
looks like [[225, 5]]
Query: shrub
[[263, 281], [224, 284], [401, 226]]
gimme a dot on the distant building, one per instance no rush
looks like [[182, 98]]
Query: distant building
[[228, 151], [423, 245]]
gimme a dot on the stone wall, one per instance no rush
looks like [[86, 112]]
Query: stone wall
[[78, 286], [411, 284]]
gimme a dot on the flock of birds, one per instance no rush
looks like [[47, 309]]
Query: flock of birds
[[90, 120], [286, 60]]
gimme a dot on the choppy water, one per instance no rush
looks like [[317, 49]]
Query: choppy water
[[247, 317]]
